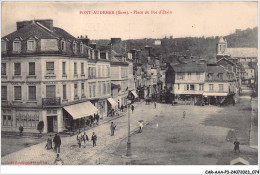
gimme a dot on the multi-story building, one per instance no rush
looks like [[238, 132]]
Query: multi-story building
[[219, 83], [189, 82], [245, 56], [48, 75]]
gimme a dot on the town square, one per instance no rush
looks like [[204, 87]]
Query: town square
[[102, 83]]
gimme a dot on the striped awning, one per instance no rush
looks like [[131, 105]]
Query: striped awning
[[81, 110], [112, 102]]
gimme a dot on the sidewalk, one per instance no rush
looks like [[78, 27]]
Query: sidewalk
[[106, 144]]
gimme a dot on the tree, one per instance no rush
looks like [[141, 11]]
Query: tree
[[40, 126]]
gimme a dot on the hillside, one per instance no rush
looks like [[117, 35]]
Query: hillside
[[204, 47]]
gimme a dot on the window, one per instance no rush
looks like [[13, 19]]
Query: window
[[192, 87], [3, 92], [99, 88], [3, 69], [103, 71], [210, 76], [74, 47], [75, 69], [64, 68], [82, 68], [178, 86], [220, 76], [89, 72], [64, 92], [180, 76], [81, 48], [211, 87], [31, 68], [90, 91], [104, 88], [99, 71], [82, 89], [108, 88], [94, 90], [17, 93], [63, 45], [7, 118], [17, 68], [75, 90], [201, 87], [32, 93], [28, 120], [221, 87], [17, 46], [189, 76], [3, 46], [198, 76], [50, 67], [30, 45], [108, 71]]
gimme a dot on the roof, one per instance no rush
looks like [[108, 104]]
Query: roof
[[242, 52], [39, 31], [215, 69], [189, 67]]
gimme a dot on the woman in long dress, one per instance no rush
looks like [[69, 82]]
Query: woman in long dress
[[49, 143]]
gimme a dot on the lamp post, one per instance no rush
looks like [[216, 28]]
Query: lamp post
[[129, 151]]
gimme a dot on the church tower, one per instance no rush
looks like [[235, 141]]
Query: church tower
[[221, 46]]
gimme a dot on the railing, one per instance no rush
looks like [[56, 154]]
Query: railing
[[51, 102]]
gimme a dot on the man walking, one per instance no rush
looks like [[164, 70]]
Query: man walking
[[236, 146], [57, 143], [184, 114], [112, 128], [133, 108], [85, 138], [140, 127], [97, 117], [154, 104], [122, 108], [94, 139], [79, 140]]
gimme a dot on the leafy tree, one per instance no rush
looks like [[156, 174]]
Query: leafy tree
[[40, 126]]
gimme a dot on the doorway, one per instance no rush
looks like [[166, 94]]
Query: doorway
[[50, 123]]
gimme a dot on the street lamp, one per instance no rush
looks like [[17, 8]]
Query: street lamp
[[129, 151]]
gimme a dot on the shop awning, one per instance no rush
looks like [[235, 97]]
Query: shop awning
[[112, 102], [134, 94], [81, 110], [215, 94]]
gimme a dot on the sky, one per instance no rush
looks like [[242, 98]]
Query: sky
[[186, 19]]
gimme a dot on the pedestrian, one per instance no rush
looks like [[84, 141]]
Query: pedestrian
[[122, 108], [55, 141], [85, 138], [49, 143], [58, 143], [140, 127], [91, 120], [112, 128], [97, 117], [154, 104], [58, 160], [94, 139], [184, 114], [79, 140], [236, 146], [133, 108]]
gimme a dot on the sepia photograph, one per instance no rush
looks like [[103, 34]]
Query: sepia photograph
[[130, 83]]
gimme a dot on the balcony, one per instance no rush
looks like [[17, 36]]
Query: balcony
[[51, 101]]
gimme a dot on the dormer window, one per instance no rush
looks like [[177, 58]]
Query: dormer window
[[3, 45], [16, 46], [30, 45], [74, 47], [63, 45], [81, 48]]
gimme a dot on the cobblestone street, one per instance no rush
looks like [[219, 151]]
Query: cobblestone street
[[106, 144]]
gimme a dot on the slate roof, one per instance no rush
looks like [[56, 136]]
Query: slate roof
[[242, 52], [189, 67], [35, 29]]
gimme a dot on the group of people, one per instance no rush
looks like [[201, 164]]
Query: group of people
[[93, 120], [57, 143], [84, 138]]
